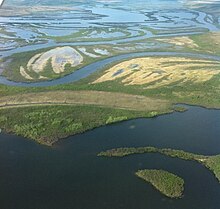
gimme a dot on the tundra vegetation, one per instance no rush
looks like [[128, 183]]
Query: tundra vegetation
[[156, 72], [45, 65], [140, 87]]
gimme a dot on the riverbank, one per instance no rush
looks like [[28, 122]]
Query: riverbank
[[46, 124]]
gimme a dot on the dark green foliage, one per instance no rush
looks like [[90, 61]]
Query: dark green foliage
[[167, 183], [47, 124], [211, 162]]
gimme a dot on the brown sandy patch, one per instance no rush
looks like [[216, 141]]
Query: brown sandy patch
[[25, 74], [215, 37], [58, 58], [104, 99], [180, 41], [156, 72]]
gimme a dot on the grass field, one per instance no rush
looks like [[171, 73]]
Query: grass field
[[98, 98], [208, 42]]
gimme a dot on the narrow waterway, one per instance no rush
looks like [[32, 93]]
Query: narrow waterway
[[99, 65]]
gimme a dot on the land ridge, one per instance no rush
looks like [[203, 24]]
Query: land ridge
[[99, 98]]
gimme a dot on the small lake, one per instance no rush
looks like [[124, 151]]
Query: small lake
[[71, 176]]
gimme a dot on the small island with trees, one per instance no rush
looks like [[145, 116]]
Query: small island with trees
[[167, 183], [210, 162]]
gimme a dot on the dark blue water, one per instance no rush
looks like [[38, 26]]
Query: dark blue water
[[70, 176]]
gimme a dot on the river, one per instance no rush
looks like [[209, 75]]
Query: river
[[99, 65]]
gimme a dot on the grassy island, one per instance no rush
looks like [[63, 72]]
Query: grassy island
[[210, 162], [167, 183]]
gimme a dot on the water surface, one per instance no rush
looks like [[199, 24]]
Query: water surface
[[70, 176]]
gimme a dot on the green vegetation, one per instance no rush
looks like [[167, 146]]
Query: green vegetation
[[167, 183], [206, 94], [12, 68], [210, 162], [47, 124], [117, 119], [208, 42], [56, 108]]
